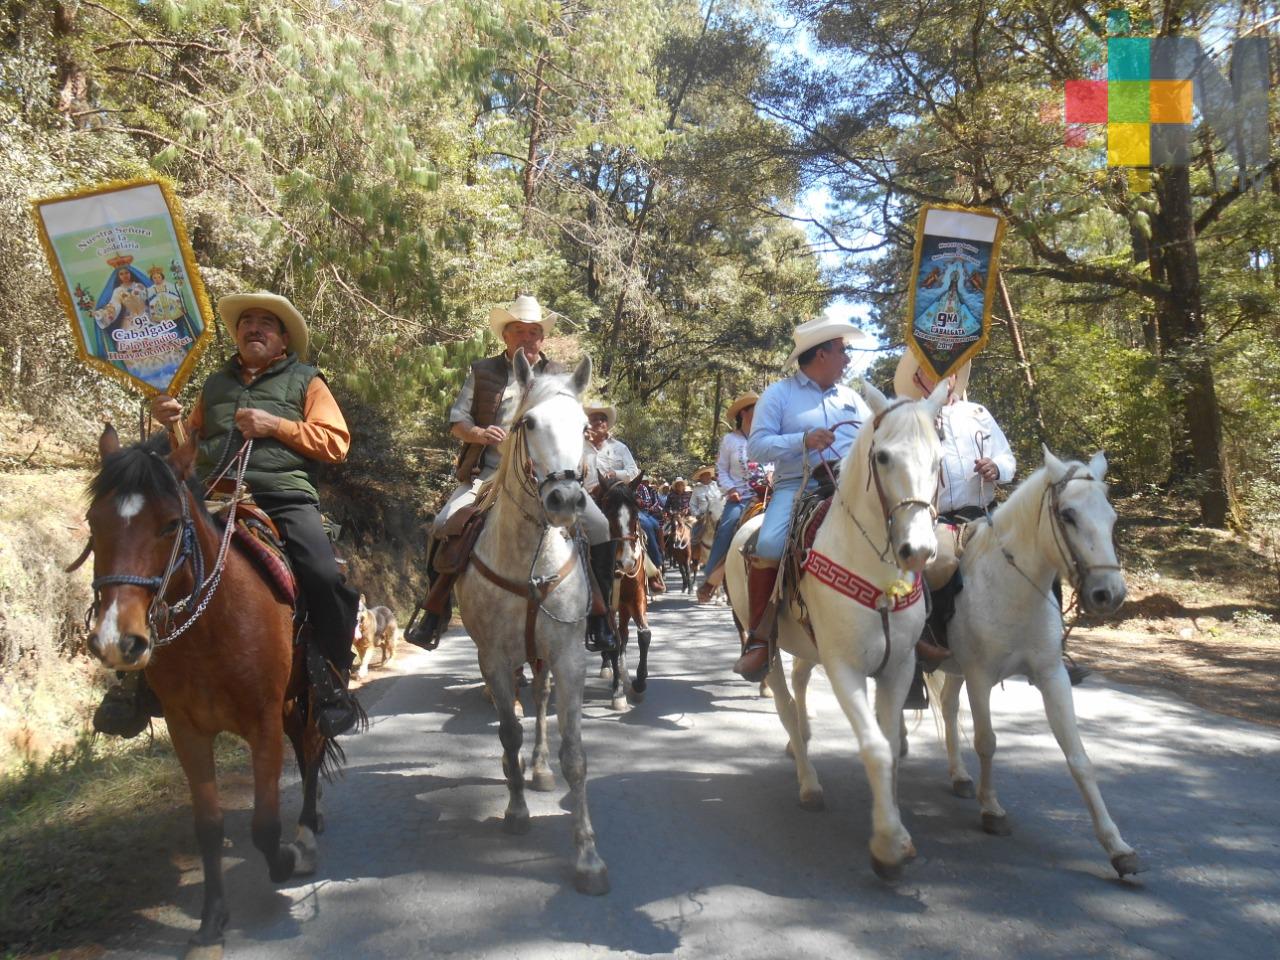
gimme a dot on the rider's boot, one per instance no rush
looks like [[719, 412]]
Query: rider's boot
[[337, 711], [932, 648], [754, 662], [438, 606], [710, 584], [600, 635], [127, 707]]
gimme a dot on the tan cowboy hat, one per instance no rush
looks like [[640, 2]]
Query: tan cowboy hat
[[609, 411], [704, 475], [679, 482], [523, 309], [909, 380], [820, 330], [748, 399], [230, 308]]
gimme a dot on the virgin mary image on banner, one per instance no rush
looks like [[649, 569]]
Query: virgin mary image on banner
[[125, 277], [953, 283]]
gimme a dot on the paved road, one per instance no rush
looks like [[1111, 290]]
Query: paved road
[[709, 854]]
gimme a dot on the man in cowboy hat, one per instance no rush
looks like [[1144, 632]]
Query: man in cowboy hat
[[704, 491], [268, 393], [808, 417], [480, 418], [608, 458], [731, 469]]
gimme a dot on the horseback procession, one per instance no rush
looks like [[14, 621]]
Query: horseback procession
[[847, 528]]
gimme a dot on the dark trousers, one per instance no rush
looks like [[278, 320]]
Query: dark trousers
[[331, 604]]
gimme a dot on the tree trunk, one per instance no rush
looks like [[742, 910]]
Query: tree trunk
[[535, 139], [1188, 369]]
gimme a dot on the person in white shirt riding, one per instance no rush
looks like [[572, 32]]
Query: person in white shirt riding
[[811, 418], [731, 469]]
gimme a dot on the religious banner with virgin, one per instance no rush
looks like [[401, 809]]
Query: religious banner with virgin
[[953, 285], [127, 279]]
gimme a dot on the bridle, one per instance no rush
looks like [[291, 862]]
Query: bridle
[[888, 511], [528, 477], [1078, 570], [185, 552]]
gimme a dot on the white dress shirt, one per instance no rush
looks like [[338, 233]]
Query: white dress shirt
[[611, 455], [700, 499], [968, 433]]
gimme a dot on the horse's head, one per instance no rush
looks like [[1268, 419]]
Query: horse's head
[[623, 514], [1082, 522], [904, 459], [550, 420], [136, 518]]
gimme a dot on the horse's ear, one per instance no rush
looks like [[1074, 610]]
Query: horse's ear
[[1057, 469], [876, 400], [581, 376], [183, 460], [524, 372], [938, 399], [109, 442], [1098, 465], [636, 482]]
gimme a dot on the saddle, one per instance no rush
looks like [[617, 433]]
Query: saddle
[[458, 539], [256, 534]]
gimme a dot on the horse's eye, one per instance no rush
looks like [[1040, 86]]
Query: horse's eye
[[530, 423], [882, 458], [170, 528], [1068, 517]]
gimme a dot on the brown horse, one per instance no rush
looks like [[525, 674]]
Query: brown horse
[[225, 662], [679, 545], [620, 509]]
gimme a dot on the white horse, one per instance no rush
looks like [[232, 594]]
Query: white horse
[[1057, 523], [525, 596], [710, 521], [880, 523]]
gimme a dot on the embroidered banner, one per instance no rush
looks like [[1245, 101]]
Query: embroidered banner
[[827, 571], [127, 279], [953, 286]]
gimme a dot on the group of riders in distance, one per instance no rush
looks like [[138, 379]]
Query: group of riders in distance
[[826, 513]]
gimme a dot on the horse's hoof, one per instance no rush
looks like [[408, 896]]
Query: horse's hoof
[[888, 872], [285, 863], [618, 704], [813, 801], [606, 672], [544, 781], [593, 883], [203, 951], [1127, 863], [639, 686], [307, 849], [997, 826], [515, 824], [963, 789]]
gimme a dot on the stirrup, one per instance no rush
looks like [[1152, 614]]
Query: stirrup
[[121, 713]]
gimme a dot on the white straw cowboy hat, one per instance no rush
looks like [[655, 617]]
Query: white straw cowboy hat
[[748, 399], [910, 380], [820, 330], [523, 309], [680, 481], [609, 411], [704, 475], [230, 308]]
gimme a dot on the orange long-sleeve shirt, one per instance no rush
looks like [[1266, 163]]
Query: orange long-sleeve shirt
[[322, 433]]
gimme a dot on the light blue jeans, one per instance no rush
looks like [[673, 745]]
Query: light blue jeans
[[777, 515]]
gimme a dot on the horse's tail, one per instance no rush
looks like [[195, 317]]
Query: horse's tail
[[333, 758]]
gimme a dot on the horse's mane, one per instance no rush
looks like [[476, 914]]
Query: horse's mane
[[619, 494], [1020, 511], [141, 469]]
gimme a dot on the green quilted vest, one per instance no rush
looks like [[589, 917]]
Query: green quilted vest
[[282, 390]]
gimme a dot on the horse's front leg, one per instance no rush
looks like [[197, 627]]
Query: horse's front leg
[[501, 681], [541, 778], [621, 680], [961, 782], [1059, 707], [994, 820], [643, 638], [891, 693], [590, 875], [266, 749], [195, 753], [891, 845], [308, 750], [810, 789]]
